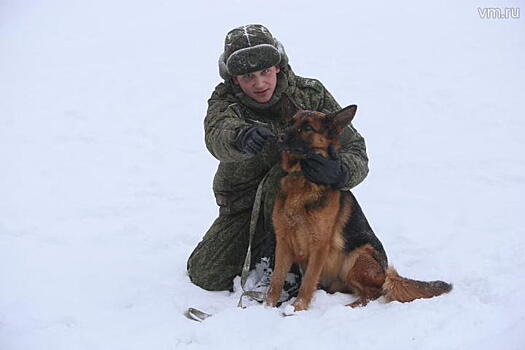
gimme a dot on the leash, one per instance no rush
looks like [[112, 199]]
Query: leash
[[257, 296], [199, 316]]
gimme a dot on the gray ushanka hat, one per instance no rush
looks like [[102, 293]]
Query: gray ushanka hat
[[250, 48]]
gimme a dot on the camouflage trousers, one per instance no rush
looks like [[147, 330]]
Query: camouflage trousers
[[219, 256]]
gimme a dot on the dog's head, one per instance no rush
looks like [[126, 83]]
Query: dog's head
[[311, 131]]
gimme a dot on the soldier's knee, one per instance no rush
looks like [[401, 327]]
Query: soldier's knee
[[207, 277], [210, 284]]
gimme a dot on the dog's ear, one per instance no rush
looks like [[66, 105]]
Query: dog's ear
[[338, 120]]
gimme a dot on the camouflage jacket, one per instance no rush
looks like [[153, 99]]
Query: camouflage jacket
[[239, 174]]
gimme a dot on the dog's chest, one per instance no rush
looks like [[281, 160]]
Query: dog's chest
[[302, 221]]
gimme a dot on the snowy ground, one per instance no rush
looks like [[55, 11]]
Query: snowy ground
[[105, 182]]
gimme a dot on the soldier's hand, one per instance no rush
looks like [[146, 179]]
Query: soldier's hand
[[252, 139], [325, 171]]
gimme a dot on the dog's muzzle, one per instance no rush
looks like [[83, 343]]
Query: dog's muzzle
[[293, 145]]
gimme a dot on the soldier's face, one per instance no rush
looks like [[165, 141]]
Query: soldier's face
[[258, 85]]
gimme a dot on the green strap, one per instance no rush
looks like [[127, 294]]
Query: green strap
[[258, 296]]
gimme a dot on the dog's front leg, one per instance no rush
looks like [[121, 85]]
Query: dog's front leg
[[283, 262], [311, 278]]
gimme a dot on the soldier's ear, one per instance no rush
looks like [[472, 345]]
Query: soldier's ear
[[337, 121]]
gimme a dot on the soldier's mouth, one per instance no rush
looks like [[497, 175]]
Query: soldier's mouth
[[263, 92]]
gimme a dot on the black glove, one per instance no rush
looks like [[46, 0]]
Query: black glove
[[325, 171], [252, 139]]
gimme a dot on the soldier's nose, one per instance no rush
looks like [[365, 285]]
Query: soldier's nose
[[259, 83]]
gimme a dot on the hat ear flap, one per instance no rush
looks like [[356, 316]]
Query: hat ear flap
[[223, 69], [284, 56]]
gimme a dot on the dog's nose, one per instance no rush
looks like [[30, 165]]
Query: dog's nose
[[281, 138]]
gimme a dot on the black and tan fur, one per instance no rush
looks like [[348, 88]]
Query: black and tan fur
[[325, 231]]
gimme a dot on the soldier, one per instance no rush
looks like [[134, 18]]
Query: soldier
[[259, 94]]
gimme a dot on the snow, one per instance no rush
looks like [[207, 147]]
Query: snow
[[106, 182]]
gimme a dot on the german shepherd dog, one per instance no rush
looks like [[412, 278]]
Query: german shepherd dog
[[325, 231]]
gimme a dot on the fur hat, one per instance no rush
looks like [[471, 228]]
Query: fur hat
[[250, 48]]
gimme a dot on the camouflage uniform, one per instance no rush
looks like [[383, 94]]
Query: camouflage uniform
[[219, 257]]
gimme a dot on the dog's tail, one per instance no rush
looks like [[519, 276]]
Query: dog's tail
[[404, 290]]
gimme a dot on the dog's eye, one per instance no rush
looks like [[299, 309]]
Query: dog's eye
[[307, 128]]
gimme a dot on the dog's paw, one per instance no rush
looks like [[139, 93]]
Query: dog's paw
[[300, 304], [271, 301], [269, 304], [361, 302], [273, 296]]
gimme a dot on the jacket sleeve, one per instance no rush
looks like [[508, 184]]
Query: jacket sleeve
[[354, 157], [353, 147], [222, 126]]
